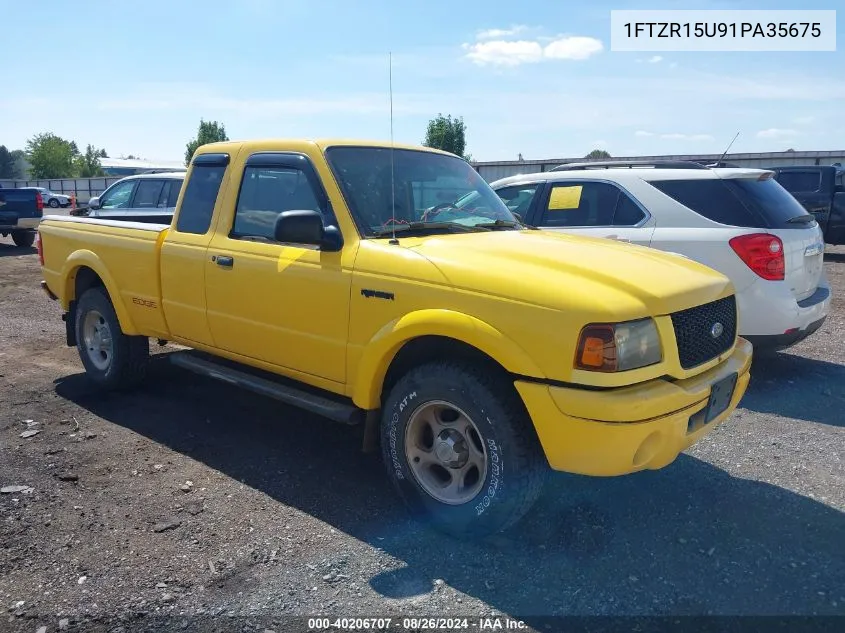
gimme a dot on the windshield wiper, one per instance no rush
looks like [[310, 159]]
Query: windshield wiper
[[801, 219], [429, 226], [506, 224]]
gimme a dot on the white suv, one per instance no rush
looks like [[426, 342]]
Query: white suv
[[740, 222]]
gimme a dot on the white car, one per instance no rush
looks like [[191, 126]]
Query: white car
[[740, 222], [139, 198], [51, 198]]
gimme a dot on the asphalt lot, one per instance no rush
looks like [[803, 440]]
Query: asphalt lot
[[284, 515]]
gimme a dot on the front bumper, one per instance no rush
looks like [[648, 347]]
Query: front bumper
[[619, 431]]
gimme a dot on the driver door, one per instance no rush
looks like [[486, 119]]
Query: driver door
[[283, 304]]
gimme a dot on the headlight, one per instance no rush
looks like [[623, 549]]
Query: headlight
[[619, 346]]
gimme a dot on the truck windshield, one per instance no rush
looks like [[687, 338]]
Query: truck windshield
[[428, 188]]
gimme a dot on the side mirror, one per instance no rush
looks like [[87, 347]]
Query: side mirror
[[306, 227], [94, 203]]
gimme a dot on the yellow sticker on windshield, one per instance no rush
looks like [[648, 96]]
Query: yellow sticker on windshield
[[565, 197]]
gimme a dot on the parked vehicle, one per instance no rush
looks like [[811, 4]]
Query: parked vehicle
[[821, 190], [139, 198], [52, 199], [20, 213], [739, 221], [480, 352]]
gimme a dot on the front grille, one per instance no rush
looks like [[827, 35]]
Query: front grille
[[694, 329]]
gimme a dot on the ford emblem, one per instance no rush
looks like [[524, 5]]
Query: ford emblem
[[716, 330]]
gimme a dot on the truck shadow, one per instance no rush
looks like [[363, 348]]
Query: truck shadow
[[797, 387], [7, 249], [689, 539]]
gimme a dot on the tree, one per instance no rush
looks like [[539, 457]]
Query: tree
[[447, 134], [87, 165], [21, 167], [7, 163], [208, 132], [103, 154], [50, 156], [598, 153]]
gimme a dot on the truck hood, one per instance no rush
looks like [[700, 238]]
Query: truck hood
[[615, 280]]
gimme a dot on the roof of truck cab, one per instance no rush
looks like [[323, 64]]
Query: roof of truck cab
[[320, 143]]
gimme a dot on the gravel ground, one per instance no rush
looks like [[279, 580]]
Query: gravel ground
[[191, 498]]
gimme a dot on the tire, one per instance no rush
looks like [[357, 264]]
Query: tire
[[24, 239], [120, 361], [53, 203], [498, 495]]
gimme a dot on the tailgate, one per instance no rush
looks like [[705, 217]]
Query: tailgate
[[15, 204], [803, 251]]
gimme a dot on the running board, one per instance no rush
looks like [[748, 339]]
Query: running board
[[321, 405]]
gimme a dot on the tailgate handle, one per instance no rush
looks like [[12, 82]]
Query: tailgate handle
[[223, 260]]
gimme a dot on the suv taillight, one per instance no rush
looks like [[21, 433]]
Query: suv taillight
[[39, 247], [39, 201], [762, 253]]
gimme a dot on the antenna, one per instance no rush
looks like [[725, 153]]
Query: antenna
[[726, 150], [392, 182]]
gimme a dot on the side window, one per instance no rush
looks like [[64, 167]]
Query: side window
[[580, 204], [518, 199], [147, 193], [169, 194], [627, 211], [265, 193], [119, 195], [200, 196]]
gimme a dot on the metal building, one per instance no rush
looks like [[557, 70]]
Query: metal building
[[493, 170]]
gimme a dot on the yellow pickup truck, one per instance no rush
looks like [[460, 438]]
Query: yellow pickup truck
[[479, 353]]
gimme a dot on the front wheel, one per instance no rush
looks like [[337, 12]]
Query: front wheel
[[54, 204], [24, 239], [112, 359], [460, 449]]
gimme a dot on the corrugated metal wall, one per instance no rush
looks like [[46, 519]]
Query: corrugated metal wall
[[84, 188], [495, 170]]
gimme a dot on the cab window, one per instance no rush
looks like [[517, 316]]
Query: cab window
[[265, 193]]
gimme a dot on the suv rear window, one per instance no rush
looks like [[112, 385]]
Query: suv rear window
[[744, 202]]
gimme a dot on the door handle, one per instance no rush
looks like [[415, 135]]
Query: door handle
[[223, 260]]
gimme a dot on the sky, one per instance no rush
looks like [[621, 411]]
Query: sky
[[536, 77]]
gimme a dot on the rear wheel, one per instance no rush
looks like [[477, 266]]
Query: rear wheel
[[112, 359], [24, 239], [460, 449]]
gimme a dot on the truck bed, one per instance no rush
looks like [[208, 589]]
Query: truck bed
[[125, 255]]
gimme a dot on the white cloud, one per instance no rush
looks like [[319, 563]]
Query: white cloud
[[493, 34], [655, 60], [573, 48], [502, 53], [643, 133], [776, 133], [514, 53]]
